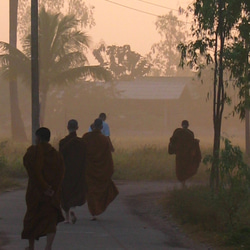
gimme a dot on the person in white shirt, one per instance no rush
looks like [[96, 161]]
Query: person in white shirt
[[105, 130]]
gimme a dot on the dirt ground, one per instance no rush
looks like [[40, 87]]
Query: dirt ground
[[144, 200], [149, 208], [3, 240]]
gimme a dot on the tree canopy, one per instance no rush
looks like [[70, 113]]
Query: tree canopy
[[61, 54], [82, 11], [217, 29], [164, 55], [123, 63]]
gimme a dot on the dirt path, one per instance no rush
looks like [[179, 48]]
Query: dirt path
[[144, 200], [135, 220]]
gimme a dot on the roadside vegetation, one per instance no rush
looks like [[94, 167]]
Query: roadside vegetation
[[135, 159], [11, 167], [218, 216], [138, 159]]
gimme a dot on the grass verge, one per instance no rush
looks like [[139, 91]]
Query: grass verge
[[11, 166], [196, 208], [147, 162], [208, 217]]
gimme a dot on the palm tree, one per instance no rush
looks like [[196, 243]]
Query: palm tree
[[35, 109], [61, 55], [17, 125]]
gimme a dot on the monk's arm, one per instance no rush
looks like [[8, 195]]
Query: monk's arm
[[62, 146], [33, 161], [37, 169], [112, 149], [61, 171]]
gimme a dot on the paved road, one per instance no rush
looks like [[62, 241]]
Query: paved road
[[115, 229]]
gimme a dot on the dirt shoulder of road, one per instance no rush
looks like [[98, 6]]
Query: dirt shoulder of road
[[17, 185], [144, 200], [3, 239], [148, 207]]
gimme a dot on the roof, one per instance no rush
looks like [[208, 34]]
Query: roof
[[153, 88]]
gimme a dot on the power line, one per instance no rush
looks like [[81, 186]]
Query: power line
[[158, 5], [145, 12], [125, 6], [138, 10]]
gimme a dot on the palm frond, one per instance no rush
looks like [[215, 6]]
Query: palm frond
[[61, 52], [66, 24], [70, 75], [68, 61], [64, 27], [79, 38], [14, 59], [68, 38]]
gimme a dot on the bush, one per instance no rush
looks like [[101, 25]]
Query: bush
[[195, 206], [224, 211], [11, 166], [234, 186]]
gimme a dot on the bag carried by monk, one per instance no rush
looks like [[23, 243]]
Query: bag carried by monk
[[171, 148]]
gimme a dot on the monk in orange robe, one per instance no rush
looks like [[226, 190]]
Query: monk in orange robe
[[101, 190], [45, 170], [187, 151], [73, 186]]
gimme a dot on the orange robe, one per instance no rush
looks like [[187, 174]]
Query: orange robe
[[101, 190], [74, 185], [45, 169], [188, 154]]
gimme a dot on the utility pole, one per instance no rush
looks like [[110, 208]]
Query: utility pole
[[247, 134], [34, 69], [247, 115]]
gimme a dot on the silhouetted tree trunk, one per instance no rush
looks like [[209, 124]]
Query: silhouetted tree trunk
[[34, 68], [219, 97], [17, 125]]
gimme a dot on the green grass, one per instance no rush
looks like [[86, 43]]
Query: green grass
[[147, 162], [221, 214], [147, 159], [208, 216], [138, 159], [134, 159], [11, 166]]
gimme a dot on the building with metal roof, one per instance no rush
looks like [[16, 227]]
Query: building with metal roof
[[155, 88]]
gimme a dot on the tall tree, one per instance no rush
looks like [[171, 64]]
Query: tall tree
[[34, 70], [164, 55], [61, 50], [17, 124], [79, 8], [215, 27], [123, 63], [237, 59]]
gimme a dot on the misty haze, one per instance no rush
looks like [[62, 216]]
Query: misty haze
[[173, 81]]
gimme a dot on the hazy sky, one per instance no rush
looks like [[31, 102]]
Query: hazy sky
[[116, 24]]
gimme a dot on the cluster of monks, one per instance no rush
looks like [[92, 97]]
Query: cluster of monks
[[81, 171]]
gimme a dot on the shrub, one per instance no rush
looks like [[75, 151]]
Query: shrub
[[234, 187], [226, 211], [11, 166]]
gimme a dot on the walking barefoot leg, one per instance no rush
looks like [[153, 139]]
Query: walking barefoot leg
[[50, 239], [31, 244]]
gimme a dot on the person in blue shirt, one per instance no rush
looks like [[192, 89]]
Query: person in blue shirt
[[105, 130]]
